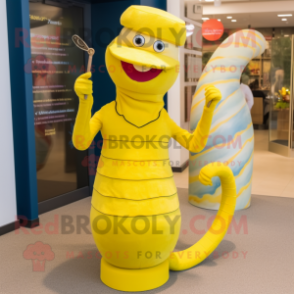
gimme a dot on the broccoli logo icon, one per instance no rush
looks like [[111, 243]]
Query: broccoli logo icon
[[39, 253], [91, 162]]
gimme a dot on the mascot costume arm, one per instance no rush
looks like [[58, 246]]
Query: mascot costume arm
[[197, 141], [85, 128]]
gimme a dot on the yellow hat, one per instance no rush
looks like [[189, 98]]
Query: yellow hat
[[156, 23]]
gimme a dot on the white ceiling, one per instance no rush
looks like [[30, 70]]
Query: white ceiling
[[255, 20], [257, 15]]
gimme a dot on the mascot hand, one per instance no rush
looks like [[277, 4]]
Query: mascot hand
[[83, 86], [212, 96], [206, 175]]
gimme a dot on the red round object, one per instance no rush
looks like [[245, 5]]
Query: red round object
[[212, 29]]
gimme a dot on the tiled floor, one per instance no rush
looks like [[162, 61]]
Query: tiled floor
[[273, 175]]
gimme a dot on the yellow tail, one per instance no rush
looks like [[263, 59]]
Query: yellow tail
[[192, 256]]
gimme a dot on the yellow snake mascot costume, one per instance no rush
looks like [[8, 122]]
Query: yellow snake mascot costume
[[135, 216]]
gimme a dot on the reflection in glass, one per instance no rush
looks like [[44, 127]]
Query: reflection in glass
[[55, 64], [193, 67], [280, 77]]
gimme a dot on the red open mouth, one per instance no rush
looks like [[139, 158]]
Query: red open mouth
[[138, 75]]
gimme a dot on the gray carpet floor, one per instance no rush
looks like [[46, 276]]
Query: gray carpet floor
[[256, 257]]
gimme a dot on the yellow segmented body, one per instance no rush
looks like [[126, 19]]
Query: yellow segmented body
[[134, 179]]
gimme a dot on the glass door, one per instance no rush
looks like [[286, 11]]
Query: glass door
[[55, 65], [280, 97]]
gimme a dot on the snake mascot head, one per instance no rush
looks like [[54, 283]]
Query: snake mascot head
[[135, 216]]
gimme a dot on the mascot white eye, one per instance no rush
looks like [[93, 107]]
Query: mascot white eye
[[139, 41], [158, 46]]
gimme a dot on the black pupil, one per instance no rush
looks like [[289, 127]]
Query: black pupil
[[159, 46], [139, 41]]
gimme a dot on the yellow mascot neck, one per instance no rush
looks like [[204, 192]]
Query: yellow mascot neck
[[137, 108]]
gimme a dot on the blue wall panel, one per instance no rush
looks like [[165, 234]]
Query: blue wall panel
[[160, 4], [22, 109]]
